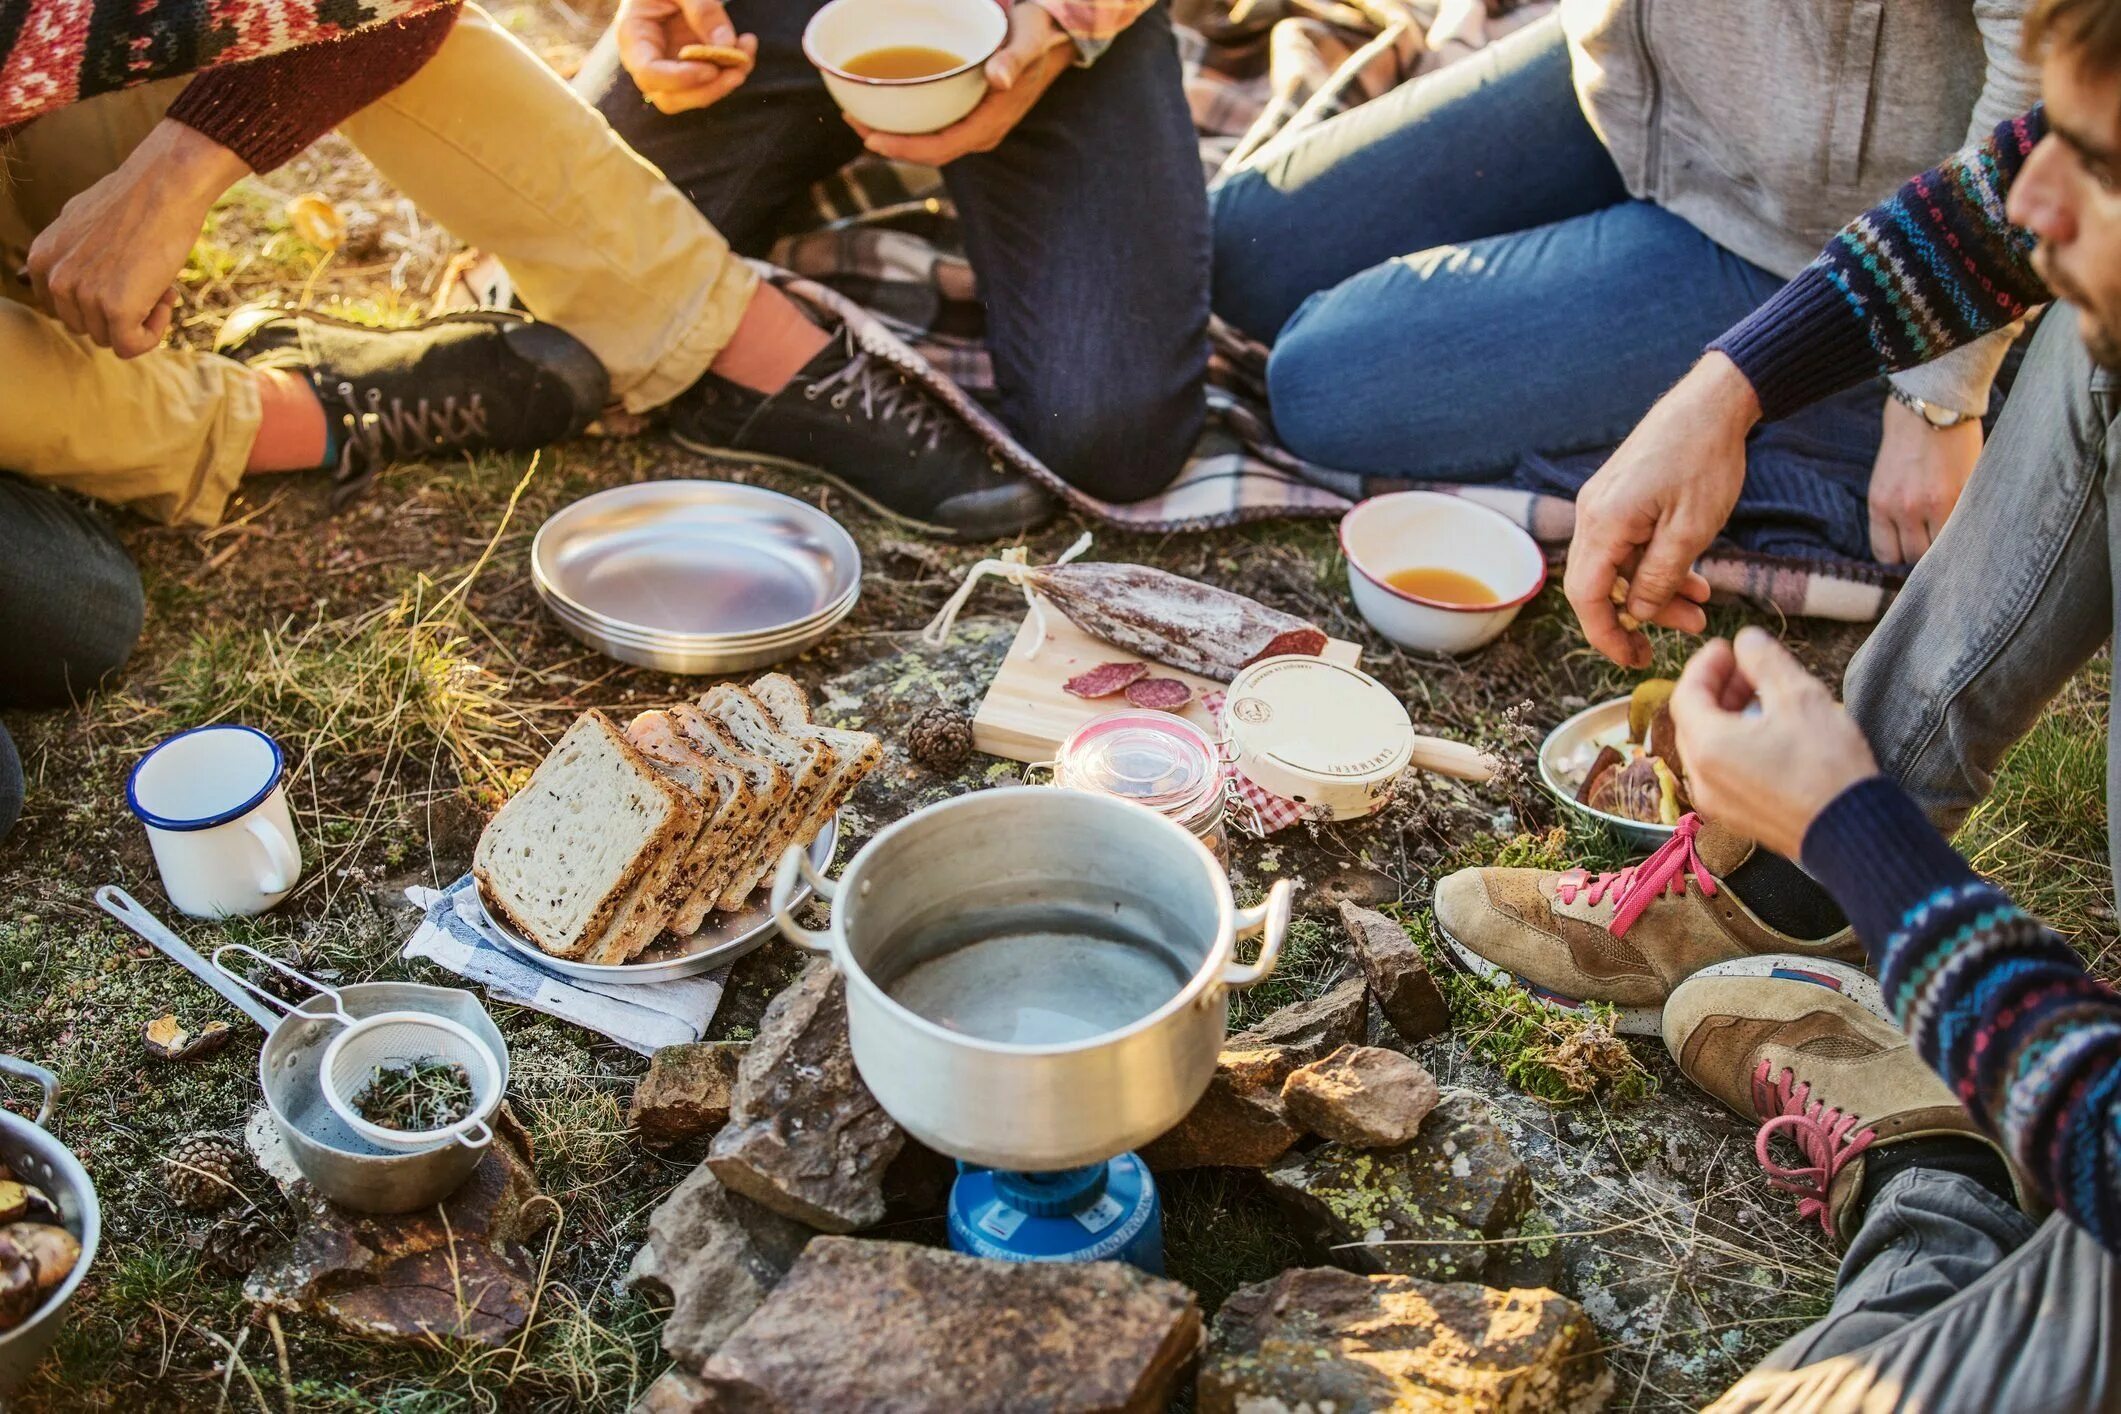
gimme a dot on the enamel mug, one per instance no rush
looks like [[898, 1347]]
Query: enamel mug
[[214, 801]]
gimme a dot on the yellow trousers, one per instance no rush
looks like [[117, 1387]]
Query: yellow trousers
[[484, 140]]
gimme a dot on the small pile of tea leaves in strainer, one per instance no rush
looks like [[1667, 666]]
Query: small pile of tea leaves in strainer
[[415, 1095]]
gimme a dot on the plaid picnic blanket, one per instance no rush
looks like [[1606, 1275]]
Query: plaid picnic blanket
[[881, 250]]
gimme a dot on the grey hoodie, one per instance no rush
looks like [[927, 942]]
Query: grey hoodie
[[1769, 124]]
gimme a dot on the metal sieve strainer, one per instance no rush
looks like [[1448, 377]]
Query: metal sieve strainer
[[370, 1043]]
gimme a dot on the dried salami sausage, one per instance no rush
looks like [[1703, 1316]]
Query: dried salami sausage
[[1173, 619]]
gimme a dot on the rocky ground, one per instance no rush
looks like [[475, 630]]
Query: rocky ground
[[1540, 1213]]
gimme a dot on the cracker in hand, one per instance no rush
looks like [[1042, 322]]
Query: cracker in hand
[[722, 56]]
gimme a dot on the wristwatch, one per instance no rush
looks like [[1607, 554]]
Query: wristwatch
[[1934, 414]]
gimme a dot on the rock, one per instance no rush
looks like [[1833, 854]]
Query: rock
[[1361, 1095], [805, 1137], [1239, 1121], [712, 1256], [674, 1392], [685, 1094], [1457, 1180], [1322, 1339], [1366, 888], [1398, 978], [463, 1272], [860, 1324]]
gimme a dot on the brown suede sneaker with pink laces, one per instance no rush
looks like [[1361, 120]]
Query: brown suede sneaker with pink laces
[[1627, 937], [1784, 1042]]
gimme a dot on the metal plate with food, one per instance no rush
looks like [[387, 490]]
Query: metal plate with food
[[722, 939], [696, 560], [1573, 749]]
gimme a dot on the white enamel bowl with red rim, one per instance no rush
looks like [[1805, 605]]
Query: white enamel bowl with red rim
[[1409, 529], [847, 29]]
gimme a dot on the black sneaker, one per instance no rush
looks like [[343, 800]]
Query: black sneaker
[[854, 420], [470, 380]]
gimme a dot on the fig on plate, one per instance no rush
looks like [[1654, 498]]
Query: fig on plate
[[1608, 759], [1632, 792]]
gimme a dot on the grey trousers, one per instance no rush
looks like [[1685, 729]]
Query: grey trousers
[[1948, 1299]]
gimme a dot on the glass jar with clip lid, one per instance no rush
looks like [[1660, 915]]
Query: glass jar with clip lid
[[1156, 759]]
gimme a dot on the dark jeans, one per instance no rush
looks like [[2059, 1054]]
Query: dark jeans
[[70, 610], [1087, 228], [1456, 283]]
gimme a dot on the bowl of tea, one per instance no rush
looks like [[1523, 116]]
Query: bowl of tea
[[1436, 573], [905, 66]]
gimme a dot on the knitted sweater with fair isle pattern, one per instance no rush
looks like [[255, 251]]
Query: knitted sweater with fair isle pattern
[[1936, 265], [273, 75], [1997, 1004]]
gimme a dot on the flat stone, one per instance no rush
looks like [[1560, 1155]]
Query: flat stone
[[1361, 1095], [685, 1094], [464, 1272], [711, 1256], [805, 1137], [860, 1324], [1457, 1181], [1398, 978], [674, 1392], [1318, 1338], [1239, 1120]]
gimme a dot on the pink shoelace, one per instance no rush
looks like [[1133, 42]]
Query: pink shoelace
[[1636, 887], [1826, 1137]]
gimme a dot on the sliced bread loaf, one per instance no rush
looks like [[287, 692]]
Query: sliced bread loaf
[[771, 787], [570, 851], [858, 753], [808, 763], [658, 738]]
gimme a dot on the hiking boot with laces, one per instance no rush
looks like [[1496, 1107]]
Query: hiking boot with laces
[[1626, 937], [1786, 1043], [466, 381], [852, 419]]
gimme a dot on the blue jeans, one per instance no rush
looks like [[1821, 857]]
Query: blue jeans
[[70, 610], [1087, 228], [1458, 287]]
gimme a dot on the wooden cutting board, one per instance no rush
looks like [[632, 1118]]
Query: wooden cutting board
[[1026, 714]]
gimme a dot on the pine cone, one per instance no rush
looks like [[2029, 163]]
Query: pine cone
[[940, 738], [200, 1172], [234, 1246]]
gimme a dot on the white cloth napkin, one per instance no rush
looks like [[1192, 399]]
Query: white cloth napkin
[[454, 934]]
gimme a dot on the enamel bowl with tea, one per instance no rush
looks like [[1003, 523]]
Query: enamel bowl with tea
[[1037, 978], [1436, 573], [905, 66]]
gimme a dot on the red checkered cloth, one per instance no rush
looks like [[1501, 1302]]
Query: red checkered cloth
[[1261, 812]]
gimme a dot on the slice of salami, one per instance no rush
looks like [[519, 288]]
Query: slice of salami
[[1308, 641], [1163, 694], [1106, 679]]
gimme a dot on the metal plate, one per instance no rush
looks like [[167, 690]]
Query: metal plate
[[695, 656], [725, 938], [1579, 739], [697, 558]]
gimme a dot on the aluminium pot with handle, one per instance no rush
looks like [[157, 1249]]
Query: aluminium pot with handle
[[35, 1157], [1037, 979]]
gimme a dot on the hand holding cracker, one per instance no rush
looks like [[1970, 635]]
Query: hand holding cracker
[[683, 54]]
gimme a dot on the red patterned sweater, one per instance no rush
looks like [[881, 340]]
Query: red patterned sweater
[[280, 73]]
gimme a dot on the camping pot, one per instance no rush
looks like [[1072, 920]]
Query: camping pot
[[338, 1163], [1103, 937], [36, 1158]]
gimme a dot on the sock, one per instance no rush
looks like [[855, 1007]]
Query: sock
[[773, 341], [1786, 898], [1948, 1153], [293, 432]]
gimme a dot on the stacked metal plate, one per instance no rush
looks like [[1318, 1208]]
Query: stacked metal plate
[[696, 576]]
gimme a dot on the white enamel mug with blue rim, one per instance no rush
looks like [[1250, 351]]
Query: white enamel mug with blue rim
[[214, 801]]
